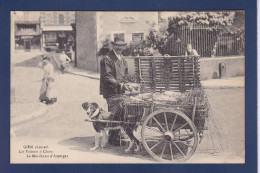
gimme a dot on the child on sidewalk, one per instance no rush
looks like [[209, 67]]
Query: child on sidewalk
[[64, 59]]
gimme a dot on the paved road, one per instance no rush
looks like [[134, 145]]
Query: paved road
[[63, 129]]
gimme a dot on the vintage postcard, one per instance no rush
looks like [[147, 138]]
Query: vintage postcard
[[127, 87]]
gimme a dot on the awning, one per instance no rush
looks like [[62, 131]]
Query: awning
[[57, 28], [32, 33], [27, 37]]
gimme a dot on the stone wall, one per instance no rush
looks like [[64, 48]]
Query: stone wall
[[86, 40], [233, 66]]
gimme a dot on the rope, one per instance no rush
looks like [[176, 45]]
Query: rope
[[218, 132], [212, 127], [210, 135]]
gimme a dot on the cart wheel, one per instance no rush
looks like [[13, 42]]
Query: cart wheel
[[169, 135]]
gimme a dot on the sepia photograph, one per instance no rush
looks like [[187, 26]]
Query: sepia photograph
[[127, 87]]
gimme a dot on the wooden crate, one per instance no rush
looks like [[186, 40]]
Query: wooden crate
[[137, 112], [178, 73]]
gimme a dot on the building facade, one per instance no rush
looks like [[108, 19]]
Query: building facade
[[45, 30], [86, 40], [131, 27], [93, 28], [57, 32], [27, 32]]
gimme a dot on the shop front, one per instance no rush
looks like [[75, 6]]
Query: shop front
[[27, 36], [57, 38], [28, 43]]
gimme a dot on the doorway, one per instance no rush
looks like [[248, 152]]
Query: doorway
[[27, 45]]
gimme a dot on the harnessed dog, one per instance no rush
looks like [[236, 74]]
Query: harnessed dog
[[94, 112]]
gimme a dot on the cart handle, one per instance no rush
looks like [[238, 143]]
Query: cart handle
[[181, 56], [109, 121]]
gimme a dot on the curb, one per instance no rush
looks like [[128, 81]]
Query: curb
[[31, 116], [222, 87], [203, 86], [83, 75]]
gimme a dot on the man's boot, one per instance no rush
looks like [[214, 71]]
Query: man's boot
[[114, 137]]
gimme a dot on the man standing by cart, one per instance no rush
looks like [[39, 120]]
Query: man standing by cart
[[190, 51], [114, 68]]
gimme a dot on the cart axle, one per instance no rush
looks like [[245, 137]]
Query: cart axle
[[168, 136]]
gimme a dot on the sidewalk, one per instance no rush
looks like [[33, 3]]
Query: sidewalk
[[83, 73], [231, 82], [24, 112]]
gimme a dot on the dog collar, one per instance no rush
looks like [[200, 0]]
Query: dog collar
[[95, 113]]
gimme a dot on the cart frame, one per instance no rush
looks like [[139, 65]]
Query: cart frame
[[169, 134]]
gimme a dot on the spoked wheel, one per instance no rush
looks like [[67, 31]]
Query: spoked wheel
[[169, 136]]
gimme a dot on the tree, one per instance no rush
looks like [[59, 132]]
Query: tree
[[220, 24], [238, 26], [155, 42], [213, 19]]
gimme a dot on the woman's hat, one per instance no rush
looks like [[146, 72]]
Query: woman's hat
[[44, 57]]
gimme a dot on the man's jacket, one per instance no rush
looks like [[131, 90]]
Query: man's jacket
[[111, 76]]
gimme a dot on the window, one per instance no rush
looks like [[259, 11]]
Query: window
[[50, 39], [61, 19], [119, 37], [137, 37], [19, 43], [48, 18], [26, 27]]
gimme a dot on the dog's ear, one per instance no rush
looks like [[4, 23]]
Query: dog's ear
[[95, 105], [85, 106]]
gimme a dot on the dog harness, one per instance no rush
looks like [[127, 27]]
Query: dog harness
[[100, 114]]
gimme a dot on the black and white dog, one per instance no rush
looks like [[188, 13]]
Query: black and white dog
[[94, 112]]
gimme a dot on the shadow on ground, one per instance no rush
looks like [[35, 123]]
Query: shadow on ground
[[34, 62], [85, 143]]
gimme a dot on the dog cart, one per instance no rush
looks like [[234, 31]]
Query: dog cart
[[171, 106]]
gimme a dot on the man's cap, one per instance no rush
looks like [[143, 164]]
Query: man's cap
[[119, 43]]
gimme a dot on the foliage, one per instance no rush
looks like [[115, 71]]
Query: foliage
[[238, 24], [105, 48], [212, 19], [217, 24], [155, 43]]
